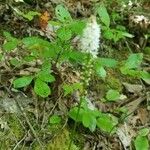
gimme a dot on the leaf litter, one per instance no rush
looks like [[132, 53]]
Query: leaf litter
[[34, 112]]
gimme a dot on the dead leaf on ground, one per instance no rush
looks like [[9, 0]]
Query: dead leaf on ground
[[133, 88]]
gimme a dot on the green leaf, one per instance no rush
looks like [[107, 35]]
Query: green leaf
[[33, 41], [108, 34], [134, 60], [106, 62], [45, 76], [126, 34], [77, 27], [77, 86], [89, 121], [62, 13], [104, 16], [15, 62], [73, 113], [41, 88], [144, 132], [55, 119], [46, 66], [112, 95], [22, 82], [107, 123], [10, 45], [141, 143], [68, 89], [64, 33], [101, 72], [145, 76], [30, 15], [41, 47]]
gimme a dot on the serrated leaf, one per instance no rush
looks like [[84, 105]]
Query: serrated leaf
[[112, 95], [41, 88], [22, 82], [62, 13], [55, 119], [104, 16]]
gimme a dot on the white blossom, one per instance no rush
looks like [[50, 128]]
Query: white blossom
[[89, 41]]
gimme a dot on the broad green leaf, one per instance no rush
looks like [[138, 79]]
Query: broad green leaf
[[41, 88], [134, 61], [86, 119], [76, 56], [131, 72], [45, 76], [141, 143], [89, 121], [107, 123], [104, 16], [41, 47], [22, 82], [10, 45], [77, 27], [62, 13], [55, 119], [112, 95], [33, 41], [64, 33], [106, 62], [75, 115]]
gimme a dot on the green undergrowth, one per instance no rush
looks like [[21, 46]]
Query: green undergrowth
[[59, 142], [39, 67]]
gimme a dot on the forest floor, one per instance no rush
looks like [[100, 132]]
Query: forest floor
[[25, 118]]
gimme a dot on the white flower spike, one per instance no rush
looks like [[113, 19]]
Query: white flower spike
[[89, 41]]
